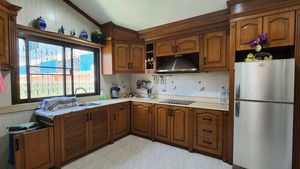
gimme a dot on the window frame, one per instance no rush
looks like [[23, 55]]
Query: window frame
[[40, 39]]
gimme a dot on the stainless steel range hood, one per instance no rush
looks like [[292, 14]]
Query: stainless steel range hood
[[177, 65]]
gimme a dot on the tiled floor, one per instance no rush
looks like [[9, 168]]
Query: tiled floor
[[134, 152]]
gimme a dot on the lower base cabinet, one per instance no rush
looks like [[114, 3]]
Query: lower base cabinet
[[83, 131], [171, 124], [207, 134], [34, 149], [120, 120], [141, 119]]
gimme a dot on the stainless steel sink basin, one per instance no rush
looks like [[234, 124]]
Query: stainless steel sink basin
[[181, 102], [90, 104]]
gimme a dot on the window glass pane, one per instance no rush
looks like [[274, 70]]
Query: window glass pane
[[84, 70], [22, 69], [69, 85], [68, 58], [46, 55], [46, 70], [46, 85]]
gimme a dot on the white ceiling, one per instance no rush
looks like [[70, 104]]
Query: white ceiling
[[143, 14]]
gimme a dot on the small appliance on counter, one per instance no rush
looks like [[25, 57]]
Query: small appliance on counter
[[114, 92]]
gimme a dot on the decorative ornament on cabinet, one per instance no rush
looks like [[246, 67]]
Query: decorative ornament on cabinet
[[98, 37], [61, 30], [84, 35], [39, 23]]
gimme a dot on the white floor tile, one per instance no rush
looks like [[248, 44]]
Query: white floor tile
[[134, 152]]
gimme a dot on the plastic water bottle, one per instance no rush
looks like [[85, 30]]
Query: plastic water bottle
[[102, 96], [223, 95]]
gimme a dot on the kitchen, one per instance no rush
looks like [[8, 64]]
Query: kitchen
[[104, 87]]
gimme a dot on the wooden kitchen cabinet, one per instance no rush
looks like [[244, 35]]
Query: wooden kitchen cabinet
[[83, 131], [280, 29], [127, 58], [122, 58], [171, 124], [246, 31], [179, 125], [141, 119], [179, 46], [215, 53], [34, 149], [187, 45], [99, 126], [137, 60], [8, 14], [208, 135], [165, 48], [120, 120], [75, 138], [162, 122]]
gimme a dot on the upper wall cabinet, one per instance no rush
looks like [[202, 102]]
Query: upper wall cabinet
[[247, 30], [8, 13], [179, 46], [129, 58], [215, 55], [279, 27]]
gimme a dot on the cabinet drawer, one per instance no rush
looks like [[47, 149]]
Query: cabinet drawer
[[207, 142], [210, 132], [207, 119]]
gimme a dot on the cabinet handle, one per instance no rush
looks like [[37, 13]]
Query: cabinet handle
[[172, 112], [87, 117], [205, 60], [206, 119], [17, 145], [207, 131], [91, 117], [115, 116], [176, 48], [128, 66], [169, 112], [149, 110], [131, 65], [206, 142], [122, 108]]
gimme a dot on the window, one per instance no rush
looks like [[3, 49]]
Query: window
[[52, 68]]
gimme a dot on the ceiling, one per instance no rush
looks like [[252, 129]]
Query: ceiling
[[142, 14]]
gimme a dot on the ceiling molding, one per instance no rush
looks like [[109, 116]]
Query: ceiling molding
[[76, 8], [196, 24]]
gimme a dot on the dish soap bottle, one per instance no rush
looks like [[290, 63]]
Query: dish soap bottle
[[223, 95], [102, 96]]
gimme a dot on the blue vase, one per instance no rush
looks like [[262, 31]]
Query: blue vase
[[83, 35], [40, 23]]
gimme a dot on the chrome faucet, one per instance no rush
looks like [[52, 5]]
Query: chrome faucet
[[79, 88]]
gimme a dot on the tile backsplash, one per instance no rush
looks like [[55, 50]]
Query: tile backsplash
[[191, 84]]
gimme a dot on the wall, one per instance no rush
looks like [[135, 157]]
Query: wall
[[191, 84], [55, 13]]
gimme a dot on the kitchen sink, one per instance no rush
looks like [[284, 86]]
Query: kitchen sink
[[90, 104], [181, 102]]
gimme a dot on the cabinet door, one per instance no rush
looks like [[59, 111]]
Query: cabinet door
[[187, 45], [162, 122], [179, 126], [247, 30], [208, 127], [280, 29], [121, 120], [141, 118], [165, 48], [4, 56], [74, 134], [34, 149], [121, 58], [137, 53], [215, 57], [99, 126]]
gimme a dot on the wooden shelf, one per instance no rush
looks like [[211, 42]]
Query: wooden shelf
[[23, 30]]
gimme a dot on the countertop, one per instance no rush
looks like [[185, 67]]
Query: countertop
[[196, 104]]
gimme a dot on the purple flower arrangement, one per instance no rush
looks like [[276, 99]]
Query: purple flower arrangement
[[257, 43]]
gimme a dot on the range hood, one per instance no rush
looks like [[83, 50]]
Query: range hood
[[177, 65]]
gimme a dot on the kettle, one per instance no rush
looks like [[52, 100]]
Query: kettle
[[114, 92]]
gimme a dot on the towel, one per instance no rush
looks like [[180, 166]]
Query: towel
[[2, 84], [56, 103]]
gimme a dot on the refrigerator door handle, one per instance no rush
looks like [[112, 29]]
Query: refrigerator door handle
[[238, 91], [237, 109]]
